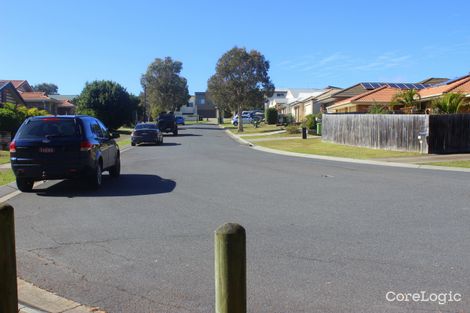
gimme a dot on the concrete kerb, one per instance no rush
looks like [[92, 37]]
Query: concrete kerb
[[33, 299], [346, 160]]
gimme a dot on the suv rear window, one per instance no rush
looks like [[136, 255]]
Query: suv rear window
[[146, 126], [48, 128]]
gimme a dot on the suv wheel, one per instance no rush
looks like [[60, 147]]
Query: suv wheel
[[175, 132], [96, 178], [24, 184], [115, 171]]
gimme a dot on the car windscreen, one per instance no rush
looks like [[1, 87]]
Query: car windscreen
[[146, 126], [48, 128]]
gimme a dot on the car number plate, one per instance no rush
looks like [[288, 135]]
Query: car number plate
[[143, 134], [46, 150]]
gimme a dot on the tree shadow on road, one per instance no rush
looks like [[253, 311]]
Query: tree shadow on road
[[125, 185]]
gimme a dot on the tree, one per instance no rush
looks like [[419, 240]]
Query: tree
[[449, 103], [407, 98], [108, 101], [48, 88], [240, 81], [165, 88]]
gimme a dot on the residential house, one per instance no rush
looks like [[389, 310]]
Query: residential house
[[358, 98], [205, 107], [189, 109], [457, 85], [39, 99], [20, 85], [317, 104], [291, 100], [65, 105], [302, 100], [9, 94]]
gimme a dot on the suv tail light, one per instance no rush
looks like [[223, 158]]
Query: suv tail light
[[85, 146], [13, 146]]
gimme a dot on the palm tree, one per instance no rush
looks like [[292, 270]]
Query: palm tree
[[408, 98], [450, 103]]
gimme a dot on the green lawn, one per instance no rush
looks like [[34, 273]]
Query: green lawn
[[465, 164], [4, 157], [6, 176], [316, 146], [281, 135], [250, 129]]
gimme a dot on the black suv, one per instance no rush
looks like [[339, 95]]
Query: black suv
[[58, 147], [167, 123]]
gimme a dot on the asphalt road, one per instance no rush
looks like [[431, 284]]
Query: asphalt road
[[321, 236]]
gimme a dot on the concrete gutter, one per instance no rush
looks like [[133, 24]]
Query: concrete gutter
[[37, 300]]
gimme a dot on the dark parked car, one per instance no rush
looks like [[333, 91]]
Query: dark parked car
[[167, 123], [59, 147], [146, 133], [179, 120]]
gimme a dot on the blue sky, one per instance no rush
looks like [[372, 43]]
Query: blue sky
[[308, 43]]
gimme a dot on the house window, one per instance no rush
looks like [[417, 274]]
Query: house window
[[202, 101], [279, 95], [190, 105]]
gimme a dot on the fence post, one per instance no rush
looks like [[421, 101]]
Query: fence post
[[230, 269], [8, 285]]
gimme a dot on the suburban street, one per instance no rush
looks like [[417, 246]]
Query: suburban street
[[322, 236]]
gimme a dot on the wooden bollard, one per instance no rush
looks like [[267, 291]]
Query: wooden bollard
[[230, 269], [8, 285]]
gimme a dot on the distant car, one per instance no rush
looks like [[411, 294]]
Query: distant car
[[166, 122], [146, 133], [246, 117], [179, 120], [59, 147]]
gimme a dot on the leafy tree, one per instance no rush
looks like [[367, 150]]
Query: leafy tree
[[408, 98], [48, 88], [241, 81], [108, 101], [449, 103], [165, 88]]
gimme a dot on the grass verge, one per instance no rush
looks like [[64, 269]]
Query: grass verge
[[316, 146], [6, 176], [4, 157], [250, 129], [465, 164]]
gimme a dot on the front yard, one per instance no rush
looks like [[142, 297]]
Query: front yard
[[4, 157], [316, 146]]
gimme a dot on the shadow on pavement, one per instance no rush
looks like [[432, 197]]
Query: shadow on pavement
[[155, 145], [125, 185], [198, 127]]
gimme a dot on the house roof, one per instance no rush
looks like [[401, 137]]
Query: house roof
[[63, 97], [382, 94], [9, 85], [35, 95], [433, 80], [461, 84], [65, 104], [18, 84]]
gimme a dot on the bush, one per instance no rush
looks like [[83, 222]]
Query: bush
[[293, 129], [310, 121], [271, 116], [11, 116]]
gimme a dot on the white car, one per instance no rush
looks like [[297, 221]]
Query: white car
[[246, 117]]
